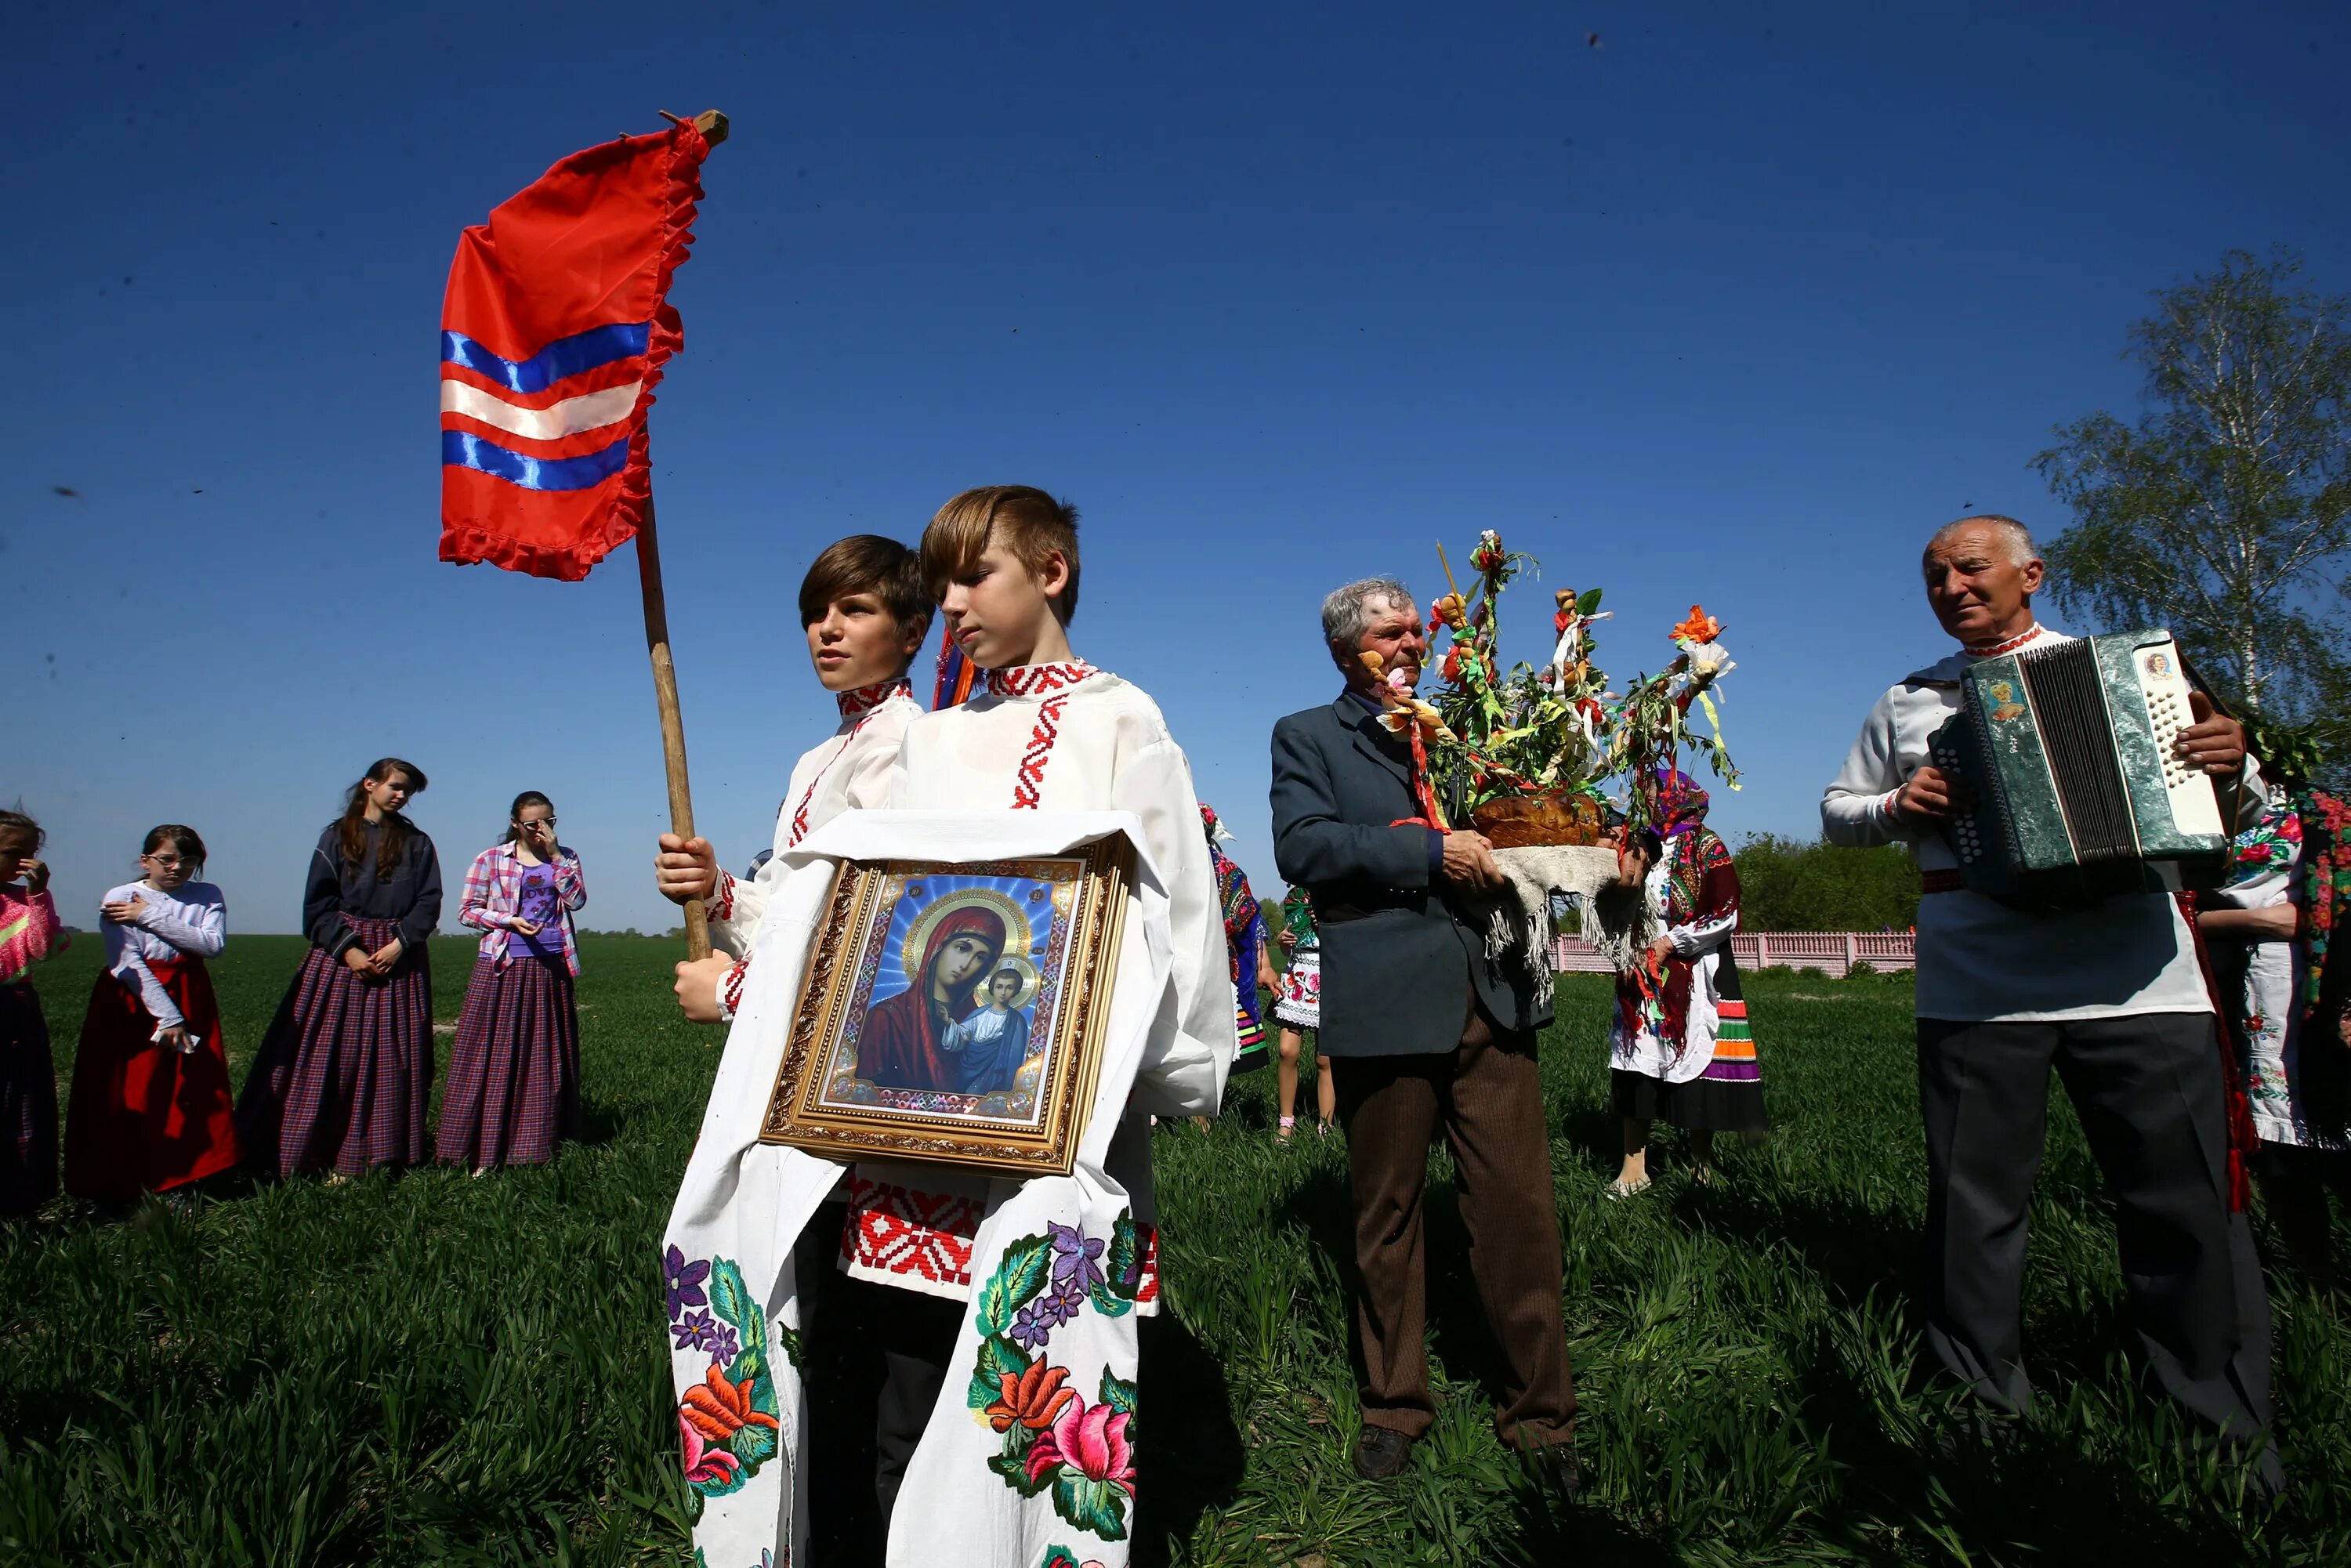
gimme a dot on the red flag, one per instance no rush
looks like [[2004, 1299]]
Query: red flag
[[553, 335]]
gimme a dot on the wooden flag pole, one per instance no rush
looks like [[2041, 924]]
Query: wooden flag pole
[[713, 126], [673, 722]]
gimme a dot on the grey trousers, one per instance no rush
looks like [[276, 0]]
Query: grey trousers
[[2148, 1091]]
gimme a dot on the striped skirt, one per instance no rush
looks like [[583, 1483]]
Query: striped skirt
[[1250, 1051], [1728, 1097], [346, 1072], [513, 1067], [28, 1104], [143, 1117]]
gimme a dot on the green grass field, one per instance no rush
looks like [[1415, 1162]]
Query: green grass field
[[436, 1368]]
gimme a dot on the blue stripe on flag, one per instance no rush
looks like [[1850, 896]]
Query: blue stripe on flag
[[468, 450], [564, 357]]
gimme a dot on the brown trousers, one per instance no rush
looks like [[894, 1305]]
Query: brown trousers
[[1488, 1096]]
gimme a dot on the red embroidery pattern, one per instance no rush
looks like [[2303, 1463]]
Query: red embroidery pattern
[[1993, 649], [722, 898], [730, 989], [866, 699], [1147, 1290], [896, 1231], [860, 705], [1028, 680], [1030, 783]]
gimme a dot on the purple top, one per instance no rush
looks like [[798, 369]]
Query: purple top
[[543, 906]]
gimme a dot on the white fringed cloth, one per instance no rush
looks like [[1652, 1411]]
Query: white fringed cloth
[[1621, 922]]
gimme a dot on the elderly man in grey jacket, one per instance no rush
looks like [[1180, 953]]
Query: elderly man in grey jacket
[[1425, 1032]]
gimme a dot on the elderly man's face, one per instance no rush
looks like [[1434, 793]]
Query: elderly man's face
[[1977, 592], [1396, 635]]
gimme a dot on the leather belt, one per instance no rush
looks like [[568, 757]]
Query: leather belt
[[1942, 882], [1338, 912]]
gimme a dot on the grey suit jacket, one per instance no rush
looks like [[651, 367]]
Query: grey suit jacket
[[1397, 961]]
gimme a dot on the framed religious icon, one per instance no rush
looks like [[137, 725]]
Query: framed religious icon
[[955, 1012]]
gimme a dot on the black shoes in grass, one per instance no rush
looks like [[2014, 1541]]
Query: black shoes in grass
[[1553, 1469], [1381, 1454]]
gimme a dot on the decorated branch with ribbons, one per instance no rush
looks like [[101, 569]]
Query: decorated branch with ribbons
[[554, 332], [1526, 752]]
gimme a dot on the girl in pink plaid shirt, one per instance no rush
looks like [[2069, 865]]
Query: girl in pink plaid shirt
[[514, 1064]]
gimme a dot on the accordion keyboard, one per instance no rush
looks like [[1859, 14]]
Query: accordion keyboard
[[2194, 808]]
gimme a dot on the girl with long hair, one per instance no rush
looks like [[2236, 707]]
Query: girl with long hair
[[152, 1110], [345, 1072], [29, 931], [513, 1067]]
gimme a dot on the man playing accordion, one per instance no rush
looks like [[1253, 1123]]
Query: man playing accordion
[[2110, 994]]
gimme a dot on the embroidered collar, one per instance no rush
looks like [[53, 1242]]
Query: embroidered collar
[[866, 699], [1030, 680], [1993, 649]]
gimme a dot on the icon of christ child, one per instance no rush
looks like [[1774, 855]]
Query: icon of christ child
[[994, 1040], [903, 1044]]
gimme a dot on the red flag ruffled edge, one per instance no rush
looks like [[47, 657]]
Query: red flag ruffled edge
[[683, 184]]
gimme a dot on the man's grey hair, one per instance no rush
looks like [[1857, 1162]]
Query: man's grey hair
[[2021, 550], [1349, 610]]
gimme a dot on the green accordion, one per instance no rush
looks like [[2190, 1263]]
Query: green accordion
[[2078, 795]]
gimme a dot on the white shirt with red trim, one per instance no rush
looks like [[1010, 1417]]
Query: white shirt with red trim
[[1980, 960], [1060, 738], [735, 1291], [848, 772]]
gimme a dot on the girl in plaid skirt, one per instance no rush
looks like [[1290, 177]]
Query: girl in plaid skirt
[[513, 1067], [346, 1071], [29, 931]]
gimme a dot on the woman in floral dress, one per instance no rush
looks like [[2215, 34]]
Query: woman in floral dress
[[2267, 931]]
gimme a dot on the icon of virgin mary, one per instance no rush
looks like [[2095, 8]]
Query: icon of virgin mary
[[900, 1045]]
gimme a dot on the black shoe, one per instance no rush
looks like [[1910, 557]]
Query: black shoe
[[1553, 1467], [1382, 1453]]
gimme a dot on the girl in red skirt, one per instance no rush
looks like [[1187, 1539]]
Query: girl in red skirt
[[513, 1067], [346, 1071], [150, 1108], [29, 931]]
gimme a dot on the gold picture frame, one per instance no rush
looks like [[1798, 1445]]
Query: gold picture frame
[[955, 1012]]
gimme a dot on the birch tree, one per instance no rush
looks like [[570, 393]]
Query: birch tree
[[2224, 513]]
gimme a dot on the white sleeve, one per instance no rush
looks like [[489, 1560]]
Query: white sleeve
[[1700, 936], [1183, 1067], [1857, 808], [2252, 794], [204, 935], [737, 904], [151, 994]]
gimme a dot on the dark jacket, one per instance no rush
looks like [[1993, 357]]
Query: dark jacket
[[334, 887], [1397, 961]]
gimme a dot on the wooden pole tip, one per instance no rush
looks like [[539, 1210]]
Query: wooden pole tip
[[711, 123]]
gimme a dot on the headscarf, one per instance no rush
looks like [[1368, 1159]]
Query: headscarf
[[1680, 803], [971, 920], [1244, 920]]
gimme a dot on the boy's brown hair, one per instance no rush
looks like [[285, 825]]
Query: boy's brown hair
[[868, 563], [1022, 519]]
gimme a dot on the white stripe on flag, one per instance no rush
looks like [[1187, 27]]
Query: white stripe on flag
[[588, 411]]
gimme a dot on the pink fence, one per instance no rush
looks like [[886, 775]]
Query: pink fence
[[1836, 952]]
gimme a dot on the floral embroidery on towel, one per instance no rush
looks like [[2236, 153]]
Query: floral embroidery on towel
[[726, 1424], [1053, 1439]]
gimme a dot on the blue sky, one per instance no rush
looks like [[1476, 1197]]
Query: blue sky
[[1732, 305]]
